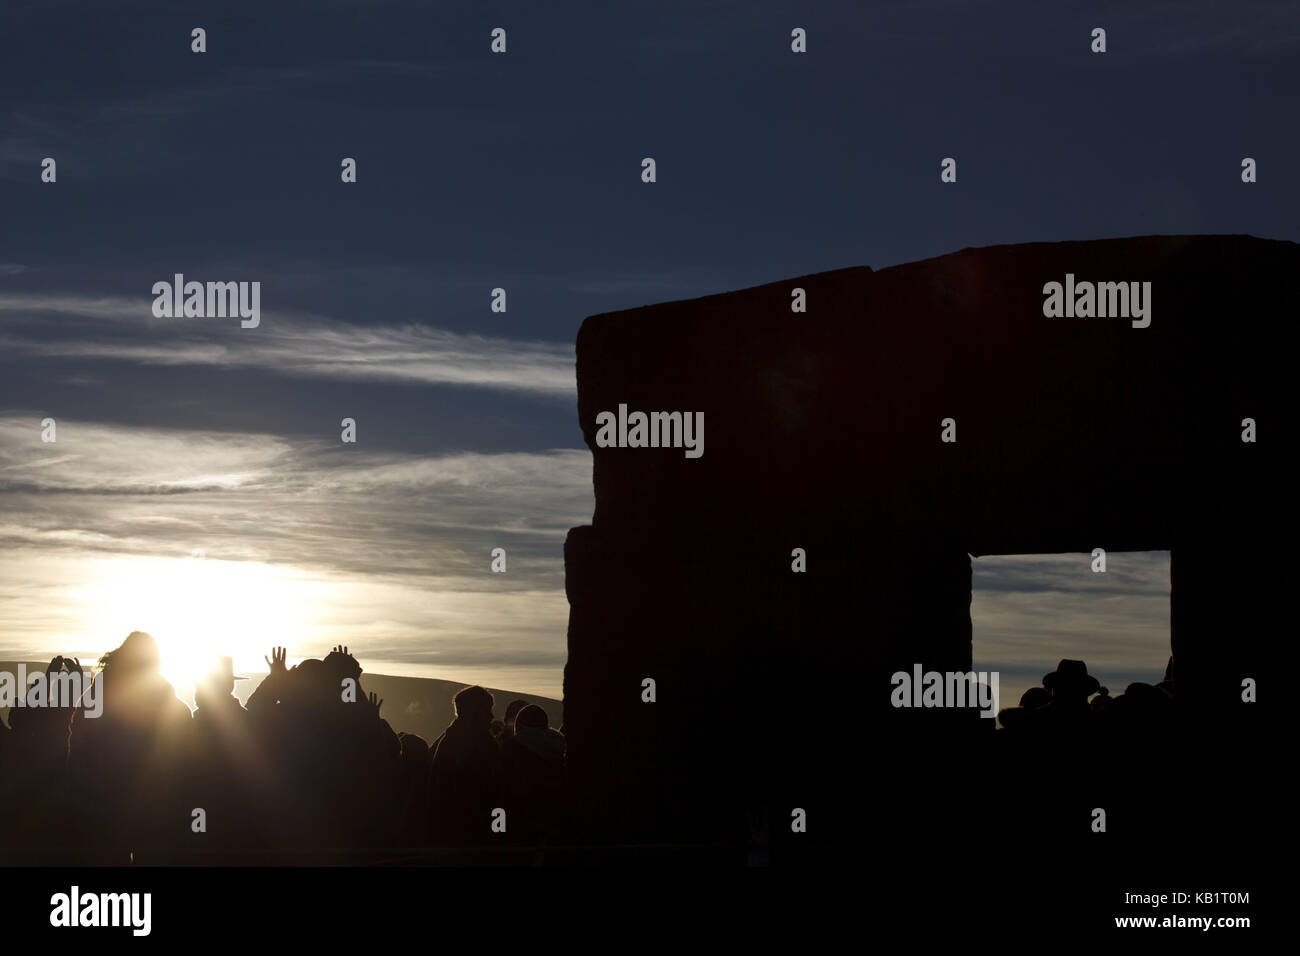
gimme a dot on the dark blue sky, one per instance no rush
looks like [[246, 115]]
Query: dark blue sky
[[522, 171]]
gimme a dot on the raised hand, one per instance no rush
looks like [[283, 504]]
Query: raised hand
[[349, 664], [276, 661], [375, 702], [73, 664], [55, 665]]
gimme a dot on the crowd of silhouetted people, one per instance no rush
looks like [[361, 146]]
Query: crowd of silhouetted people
[[1072, 700], [308, 771]]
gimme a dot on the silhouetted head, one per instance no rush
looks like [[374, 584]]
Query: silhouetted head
[[311, 681], [342, 665], [1070, 681], [219, 681], [1141, 704], [137, 655], [512, 711], [533, 734], [531, 716], [473, 702], [1035, 697], [1147, 696]]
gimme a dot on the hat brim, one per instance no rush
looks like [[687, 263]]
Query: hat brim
[[1057, 681]]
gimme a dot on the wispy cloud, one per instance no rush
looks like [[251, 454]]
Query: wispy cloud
[[333, 507], [396, 547], [123, 329]]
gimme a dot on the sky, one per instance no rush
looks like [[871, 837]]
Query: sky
[[198, 487]]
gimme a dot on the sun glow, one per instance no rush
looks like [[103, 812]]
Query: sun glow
[[198, 608]]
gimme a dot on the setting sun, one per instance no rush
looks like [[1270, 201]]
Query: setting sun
[[197, 608]]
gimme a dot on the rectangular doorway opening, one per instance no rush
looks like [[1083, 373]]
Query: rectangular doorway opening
[[1030, 611]]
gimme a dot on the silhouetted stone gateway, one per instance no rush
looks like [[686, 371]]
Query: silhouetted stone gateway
[[823, 433]]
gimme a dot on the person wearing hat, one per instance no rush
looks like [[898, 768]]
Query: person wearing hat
[[214, 697], [1071, 679], [1070, 685], [220, 759]]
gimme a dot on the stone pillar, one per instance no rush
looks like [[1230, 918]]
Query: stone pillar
[[763, 676], [1221, 604]]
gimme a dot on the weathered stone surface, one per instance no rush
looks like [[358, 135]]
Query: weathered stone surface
[[823, 432]]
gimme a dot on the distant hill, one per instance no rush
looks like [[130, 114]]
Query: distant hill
[[415, 705], [422, 705]]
